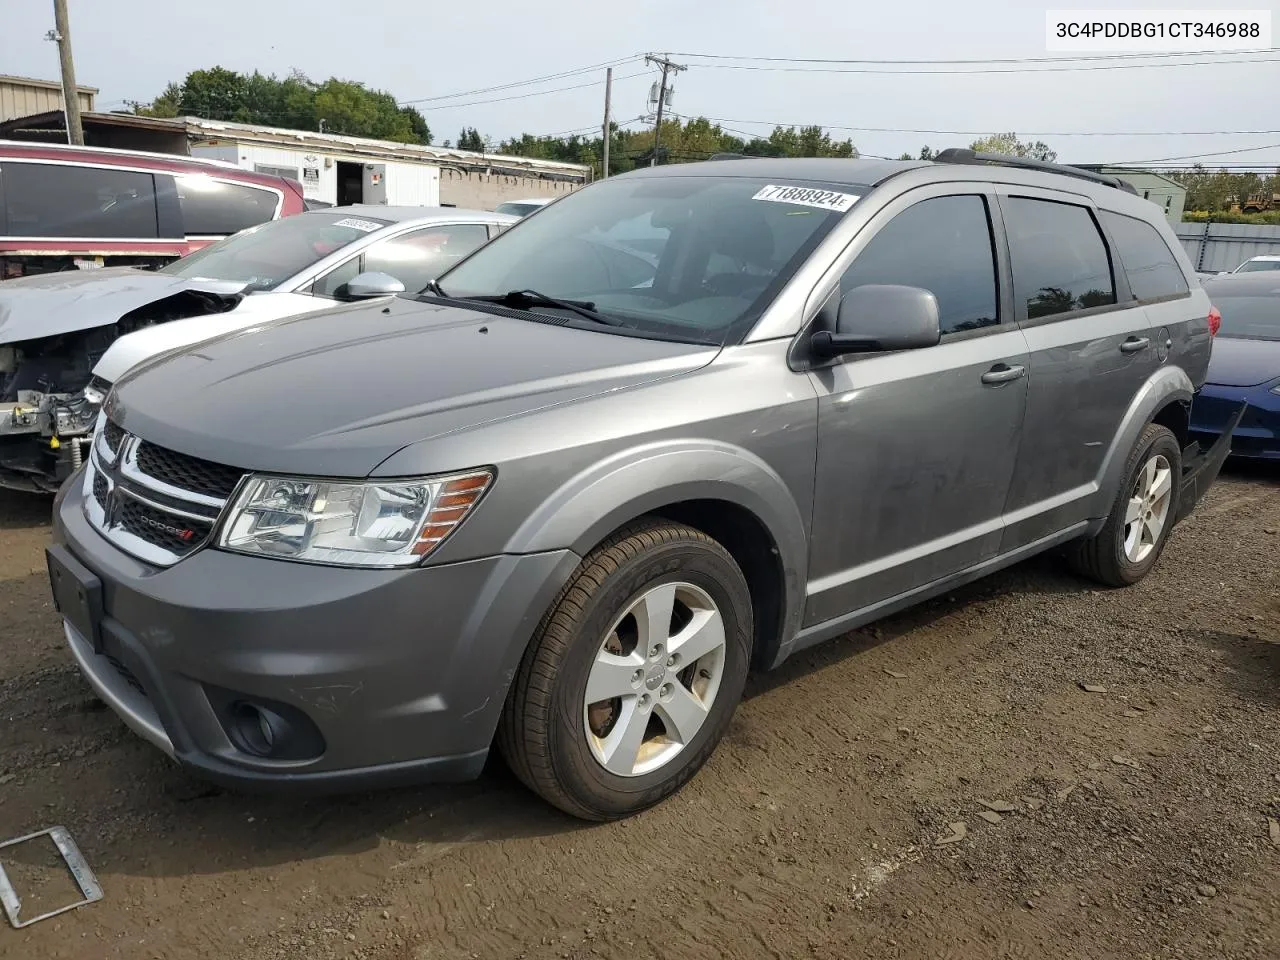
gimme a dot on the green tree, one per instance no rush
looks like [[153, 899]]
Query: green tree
[[470, 139], [1010, 145], [295, 102]]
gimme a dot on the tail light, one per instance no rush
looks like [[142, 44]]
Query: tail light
[[1215, 321]]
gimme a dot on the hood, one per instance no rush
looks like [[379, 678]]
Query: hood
[[337, 392], [133, 348], [48, 304], [1237, 362]]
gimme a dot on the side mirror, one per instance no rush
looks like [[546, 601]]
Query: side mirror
[[365, 286], [881, 318]]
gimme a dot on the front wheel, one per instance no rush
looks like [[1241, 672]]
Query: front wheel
[[634, 674], [1141, 519]]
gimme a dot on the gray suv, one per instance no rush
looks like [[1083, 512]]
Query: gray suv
[[681, 423]]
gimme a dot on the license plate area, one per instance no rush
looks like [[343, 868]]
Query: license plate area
[[77, 593]]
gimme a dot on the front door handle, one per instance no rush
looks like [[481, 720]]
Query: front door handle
[[1134, 344], [1003, 373]]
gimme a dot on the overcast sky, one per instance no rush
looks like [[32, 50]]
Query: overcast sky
[[422, 50]]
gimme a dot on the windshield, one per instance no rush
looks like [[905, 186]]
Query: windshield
[[1253, 266], [688, 258], [1249, 318], [267, 255]]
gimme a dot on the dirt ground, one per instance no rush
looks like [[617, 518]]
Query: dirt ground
[[1137, 824]]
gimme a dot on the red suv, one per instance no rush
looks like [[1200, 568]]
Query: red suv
[[65, 207]]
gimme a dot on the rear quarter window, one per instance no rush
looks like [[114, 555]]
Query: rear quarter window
[[1148, 262], [61, 200], [217, 208]]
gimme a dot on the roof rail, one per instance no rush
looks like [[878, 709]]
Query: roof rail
[[727, 156], [960, 155]]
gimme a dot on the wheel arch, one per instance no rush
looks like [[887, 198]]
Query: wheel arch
[[726, 492], [1164, 398]]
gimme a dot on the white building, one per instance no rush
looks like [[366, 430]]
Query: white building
[[340, 170]]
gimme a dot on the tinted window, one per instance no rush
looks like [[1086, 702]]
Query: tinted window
[[714, 251], [1252, 318], [213, 208], [270, 253], [1147, 260], [1059, 259], [48, 200], [943, 245]]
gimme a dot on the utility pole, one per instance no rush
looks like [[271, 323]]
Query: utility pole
[[667, 66], [70, 95], [608, 90]]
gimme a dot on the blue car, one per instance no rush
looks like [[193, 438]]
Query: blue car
[[1245, 365]]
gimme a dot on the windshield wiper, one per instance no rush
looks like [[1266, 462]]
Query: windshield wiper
[[521, 299]]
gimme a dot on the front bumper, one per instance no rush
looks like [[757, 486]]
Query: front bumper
[[401, 674]]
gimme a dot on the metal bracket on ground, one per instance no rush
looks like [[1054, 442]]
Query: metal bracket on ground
[[90, 889]]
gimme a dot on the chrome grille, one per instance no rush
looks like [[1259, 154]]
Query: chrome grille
[[112, 434], [188, 473], [157, 504]]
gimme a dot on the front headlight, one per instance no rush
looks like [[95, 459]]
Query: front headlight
[[378, 523]]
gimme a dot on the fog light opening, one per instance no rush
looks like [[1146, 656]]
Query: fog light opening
[[259, 731]]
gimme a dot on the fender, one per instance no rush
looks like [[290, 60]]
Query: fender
[[639, 480], [1166, 385]]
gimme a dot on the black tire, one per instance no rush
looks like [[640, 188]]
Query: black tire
[[541, 733], [1102, 558]]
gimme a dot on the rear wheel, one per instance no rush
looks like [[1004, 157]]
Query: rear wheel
[[633, 676], [1142, 517]]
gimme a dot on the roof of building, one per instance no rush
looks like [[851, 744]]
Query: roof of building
[[43, 84], [276, 136], [199, 130], [1125, 172]]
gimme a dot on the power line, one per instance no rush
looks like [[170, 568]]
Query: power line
[[1029, 133], [1198, 156], [979, 62], [951, 72], [523, 83], [526, 96]]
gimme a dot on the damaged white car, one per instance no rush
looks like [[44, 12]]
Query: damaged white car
[[65, 337]]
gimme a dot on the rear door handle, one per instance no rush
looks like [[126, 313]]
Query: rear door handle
[[1003, 373], [1134, 344]]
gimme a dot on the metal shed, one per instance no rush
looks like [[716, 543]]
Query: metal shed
[[23, 96]]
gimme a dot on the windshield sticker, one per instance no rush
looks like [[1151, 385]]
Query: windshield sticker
[[368, 226], [807, 197]]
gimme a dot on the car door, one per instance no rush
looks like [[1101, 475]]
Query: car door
[[916, 449], [1091, 350], [414, 257]]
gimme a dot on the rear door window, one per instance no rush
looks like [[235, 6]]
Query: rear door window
[[1060, 261], [1148, 262], [60, 200], [943, 245], [215, 208]]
